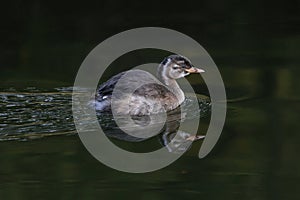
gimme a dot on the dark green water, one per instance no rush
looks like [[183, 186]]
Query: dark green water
[[256, 47]]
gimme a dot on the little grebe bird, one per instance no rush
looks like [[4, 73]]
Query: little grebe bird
[[151, 96]]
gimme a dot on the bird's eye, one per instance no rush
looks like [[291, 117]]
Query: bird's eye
[[175, 67]]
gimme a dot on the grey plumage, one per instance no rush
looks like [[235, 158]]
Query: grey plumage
[[137, 92]]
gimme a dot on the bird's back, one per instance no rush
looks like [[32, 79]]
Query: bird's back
[[135, 92]]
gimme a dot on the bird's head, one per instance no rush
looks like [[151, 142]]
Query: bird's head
[[176, 66]]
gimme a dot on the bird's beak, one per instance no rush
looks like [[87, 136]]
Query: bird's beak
[[194, 70]]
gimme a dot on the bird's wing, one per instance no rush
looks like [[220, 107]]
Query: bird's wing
[[106, 88], [154, 91]]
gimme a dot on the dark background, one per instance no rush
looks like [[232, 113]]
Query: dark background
[[57, 35]]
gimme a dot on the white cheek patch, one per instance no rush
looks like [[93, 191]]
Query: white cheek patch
[[184, 74], [181, 74]]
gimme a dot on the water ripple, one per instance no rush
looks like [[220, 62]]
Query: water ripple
[[33, 113]]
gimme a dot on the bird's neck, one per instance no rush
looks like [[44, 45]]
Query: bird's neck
[[173, 86]]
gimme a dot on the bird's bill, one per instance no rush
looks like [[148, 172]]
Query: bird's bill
[[194, 70]]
